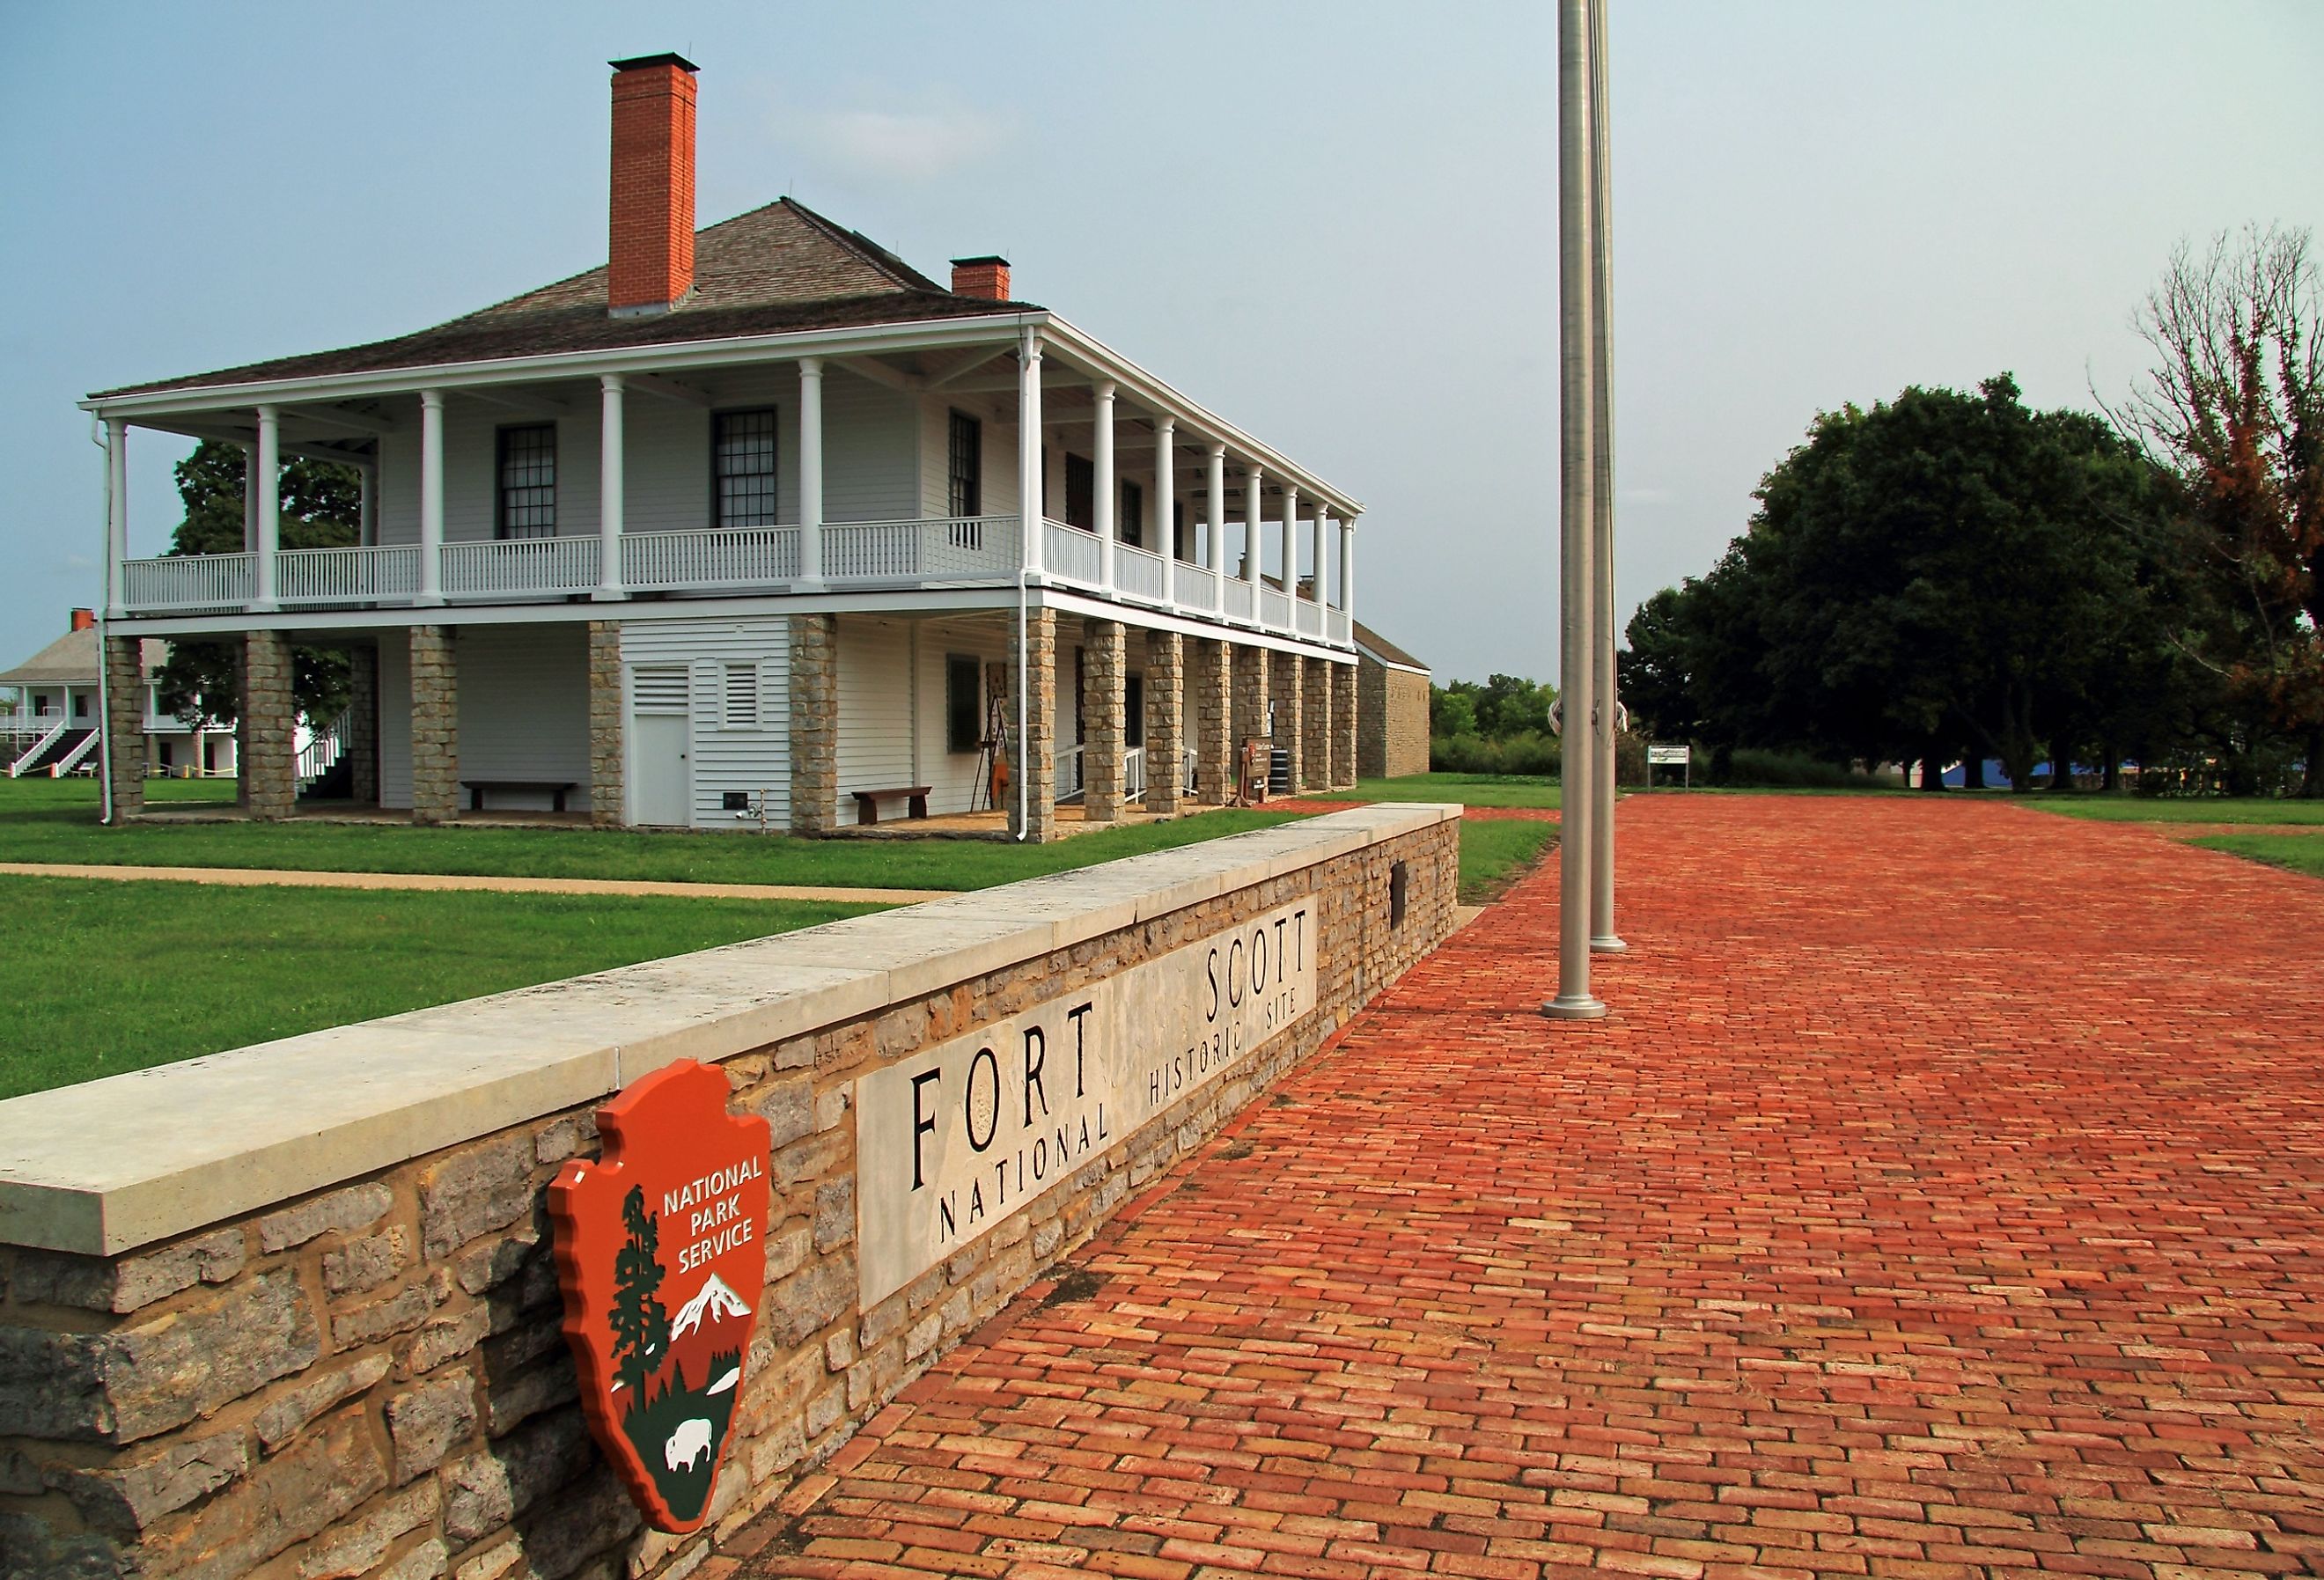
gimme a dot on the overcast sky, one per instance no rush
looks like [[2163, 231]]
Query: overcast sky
[[1331, 223]]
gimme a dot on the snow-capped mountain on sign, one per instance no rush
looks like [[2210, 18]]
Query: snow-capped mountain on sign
[[707, 1335]]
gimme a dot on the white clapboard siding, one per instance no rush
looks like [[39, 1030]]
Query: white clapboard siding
[[999, 482], [875, 707], [952, 776], [394, 720], [871, 450], [665, 463], [524, 709], [753, 758]]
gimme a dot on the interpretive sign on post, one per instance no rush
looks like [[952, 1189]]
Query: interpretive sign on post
[[1671, 756], [660, 1255], [958, 1137]]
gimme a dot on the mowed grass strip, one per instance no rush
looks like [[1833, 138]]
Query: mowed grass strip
[[1496, 854], [2298, 852], [51, 820], [109, 976], [1473, 790], [2117, 808]]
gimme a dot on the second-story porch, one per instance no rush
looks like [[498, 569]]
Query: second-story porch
[[870, 462]]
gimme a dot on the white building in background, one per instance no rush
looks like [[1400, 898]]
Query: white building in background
[[50, 727], [758, 517]]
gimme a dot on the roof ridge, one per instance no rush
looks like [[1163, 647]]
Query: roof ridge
[[886, 261]]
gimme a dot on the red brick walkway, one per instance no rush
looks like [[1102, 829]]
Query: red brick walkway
[[1946, 1196]]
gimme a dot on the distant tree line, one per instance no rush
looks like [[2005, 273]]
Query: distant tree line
[[1500, 726], [1955, 576]]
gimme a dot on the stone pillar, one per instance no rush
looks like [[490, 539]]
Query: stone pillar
[[363, 727], [606, 785], [1315, 719], [125, 723], [1249, 700], [1211, 711], [1104, 772], [815, 723], [1033, 753], [1343, 720], [435, 726], [1287, 690], [1165, 710], [265, 738]]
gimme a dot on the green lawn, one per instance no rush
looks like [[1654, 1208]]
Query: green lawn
[[2178, 809], [54, 821], [2299, 852], [1471, 790], [109, 976], [1497, 853]]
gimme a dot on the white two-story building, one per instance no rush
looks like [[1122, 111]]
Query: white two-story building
[[757, 520]]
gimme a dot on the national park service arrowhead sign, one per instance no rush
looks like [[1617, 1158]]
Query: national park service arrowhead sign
[[660, 1256]]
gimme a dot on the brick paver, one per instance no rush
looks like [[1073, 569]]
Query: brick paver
[[1946, 1196]]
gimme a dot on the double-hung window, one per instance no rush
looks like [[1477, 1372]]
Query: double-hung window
[[742, 468], [1131, 526], [528, 471], [965, 468]]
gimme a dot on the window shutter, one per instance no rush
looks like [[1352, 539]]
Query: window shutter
[[742, 696]]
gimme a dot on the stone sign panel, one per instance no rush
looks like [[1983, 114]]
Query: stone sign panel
[[957, 1136]]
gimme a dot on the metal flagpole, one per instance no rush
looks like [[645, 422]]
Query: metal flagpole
[[1603, 715], [1575, 584]]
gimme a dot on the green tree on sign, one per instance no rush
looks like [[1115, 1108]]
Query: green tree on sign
[[640, 1325]]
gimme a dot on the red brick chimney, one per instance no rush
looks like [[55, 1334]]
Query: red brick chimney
[[652, 239], [82, 619], [984, 277]]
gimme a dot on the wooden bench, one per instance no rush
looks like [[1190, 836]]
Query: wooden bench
[[867, 802], [477, 787]]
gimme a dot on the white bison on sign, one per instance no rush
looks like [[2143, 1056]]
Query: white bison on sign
[[689, 1442]]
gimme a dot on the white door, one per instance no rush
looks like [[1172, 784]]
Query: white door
[[661, 748]]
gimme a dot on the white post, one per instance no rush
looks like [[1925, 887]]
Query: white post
[[1316, 535], [1029, 453], [249, 498], [1166, 496], [367, 503], [1291, 544], [1253, 478], [1602, 714], [1219, 510], [810, 369], [1575, 404], [610, 442], [431, 497], [1348, 568], [116, 510], [1108, 504], [266, 484]]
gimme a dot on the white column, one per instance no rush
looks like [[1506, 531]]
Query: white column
[[1322, 521], [431, 497], [810, 369], [116, 509], [1028, 449], [609, 458], [367, 503], [249, 498], [1166, 495], [266, 484], [1109, 503], [1348, 568], [1253, 479], [1218, 510], [1291, 542]]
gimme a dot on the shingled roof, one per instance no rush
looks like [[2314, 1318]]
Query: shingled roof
[[776, 269], [74, 659]]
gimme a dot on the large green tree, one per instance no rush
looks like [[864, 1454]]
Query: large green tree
[[202, 681], [1938, 576]]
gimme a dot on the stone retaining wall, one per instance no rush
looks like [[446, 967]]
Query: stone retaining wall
[[291, 1310]]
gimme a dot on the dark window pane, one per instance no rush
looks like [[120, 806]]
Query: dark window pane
[[1130, 525], [742, 468], [963, 728], [528, 466], [966, 467], [1080, 491]]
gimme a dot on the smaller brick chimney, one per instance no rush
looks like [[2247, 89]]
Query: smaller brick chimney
[[82, 619], [982, 277], [651, 253]]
